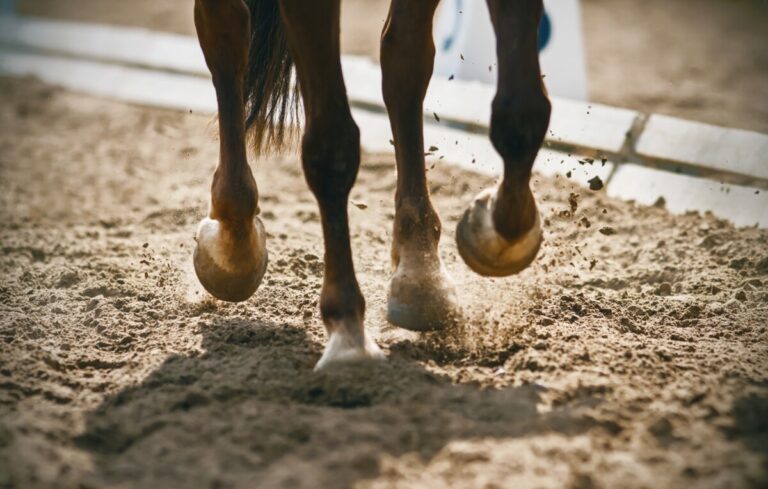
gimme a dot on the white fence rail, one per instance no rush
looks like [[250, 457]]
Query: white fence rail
[[167, 70]]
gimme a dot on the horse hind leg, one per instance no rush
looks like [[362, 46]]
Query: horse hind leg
[[500, 234], [230, 257], [421, 294], [330, 158]]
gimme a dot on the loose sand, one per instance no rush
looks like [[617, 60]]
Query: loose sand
[[633, 353]]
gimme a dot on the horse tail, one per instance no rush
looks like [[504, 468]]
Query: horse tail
[[271, 97]]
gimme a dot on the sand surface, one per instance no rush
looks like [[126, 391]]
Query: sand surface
[[633, 353], [703, 60]]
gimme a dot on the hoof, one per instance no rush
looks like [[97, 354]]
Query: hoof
[[343, 346], [422, 301], [230, 266], [484, 250]]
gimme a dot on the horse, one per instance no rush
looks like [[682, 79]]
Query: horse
[[253, 47]]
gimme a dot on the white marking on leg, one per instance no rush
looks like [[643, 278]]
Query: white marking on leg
[[343, 346]]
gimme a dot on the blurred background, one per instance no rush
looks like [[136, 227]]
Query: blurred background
[[705, 60]]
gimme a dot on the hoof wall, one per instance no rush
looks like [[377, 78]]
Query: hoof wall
[[421, 301], [230, 267]]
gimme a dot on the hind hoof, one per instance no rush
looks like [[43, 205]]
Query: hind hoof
[[230, 265], [422, 301], [344, 346], [484, 250]]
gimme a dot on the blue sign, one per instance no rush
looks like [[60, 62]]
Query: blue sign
[[545, 31]]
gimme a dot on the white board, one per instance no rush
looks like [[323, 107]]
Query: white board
[[463, 30]]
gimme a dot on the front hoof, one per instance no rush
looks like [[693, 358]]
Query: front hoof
[[344, 346], [230, 265], [421, 301], [484, 250]]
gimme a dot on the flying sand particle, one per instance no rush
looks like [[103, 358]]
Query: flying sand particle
[[596, 183]]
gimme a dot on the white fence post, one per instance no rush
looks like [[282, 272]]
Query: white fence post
[[465, 45]]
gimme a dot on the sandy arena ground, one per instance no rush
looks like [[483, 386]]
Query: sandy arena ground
[[703, 60], [633, 354]]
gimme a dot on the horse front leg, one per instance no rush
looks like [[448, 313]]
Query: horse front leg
[[330, 158], [421, 294], [230, 257], [500, 234]]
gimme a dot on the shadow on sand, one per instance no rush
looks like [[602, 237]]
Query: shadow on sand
[[249, 412]]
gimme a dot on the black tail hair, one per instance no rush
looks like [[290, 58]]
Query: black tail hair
[[271, 96]]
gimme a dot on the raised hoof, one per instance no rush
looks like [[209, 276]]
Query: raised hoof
[[484, 250], [230, 266], [343, 346], [421, 301]]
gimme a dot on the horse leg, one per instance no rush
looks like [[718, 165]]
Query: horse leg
[[500, 234], [231, 257], [330, 158], [421, 296]]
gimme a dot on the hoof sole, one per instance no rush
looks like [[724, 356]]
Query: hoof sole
[[484, 250]]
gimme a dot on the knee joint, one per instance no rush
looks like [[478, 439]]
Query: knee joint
[[223, 28], [407, 56], [401, 37], [331, 157], [518, 126]]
